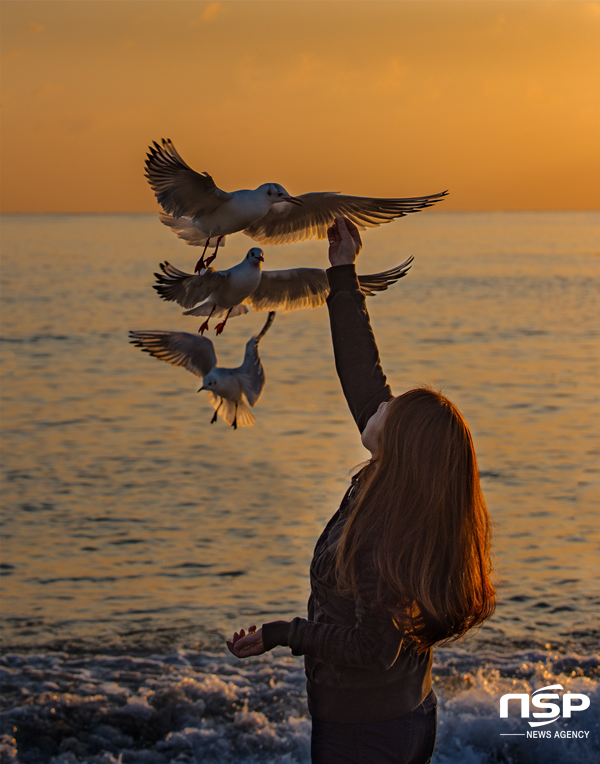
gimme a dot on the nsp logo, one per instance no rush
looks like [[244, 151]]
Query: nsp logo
[[550, 711]]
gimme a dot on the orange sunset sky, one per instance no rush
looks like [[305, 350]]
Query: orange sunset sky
[[499, 101]]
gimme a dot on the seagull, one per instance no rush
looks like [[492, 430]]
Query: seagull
[[228, 389], [200, 213], [223, 291], [228, 292]]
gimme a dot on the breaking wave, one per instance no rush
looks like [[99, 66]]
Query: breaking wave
[[195, 706]]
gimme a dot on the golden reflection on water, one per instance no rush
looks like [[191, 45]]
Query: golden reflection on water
[[124, 506]]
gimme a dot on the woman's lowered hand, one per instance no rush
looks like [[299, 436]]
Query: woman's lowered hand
[[344, 242], [244, 645]]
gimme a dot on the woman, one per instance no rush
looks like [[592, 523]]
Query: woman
[[402, 565]]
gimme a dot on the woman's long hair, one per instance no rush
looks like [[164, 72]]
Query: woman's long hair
[[420, 514]]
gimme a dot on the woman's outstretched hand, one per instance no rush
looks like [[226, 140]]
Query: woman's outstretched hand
[[344, 242], [244, 645]]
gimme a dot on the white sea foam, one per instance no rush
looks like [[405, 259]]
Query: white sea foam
[[197, 707]]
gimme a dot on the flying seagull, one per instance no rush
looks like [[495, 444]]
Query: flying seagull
[[202, 214], [226, 293], [228, 389]]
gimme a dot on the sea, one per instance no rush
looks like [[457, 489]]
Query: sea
[[137, 536]]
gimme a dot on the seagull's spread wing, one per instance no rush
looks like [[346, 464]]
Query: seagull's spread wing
[[379, 282], [194, 353], [290, 290], [187, 289], [299, 288], [251, 372], [180, 190], [286, 223]]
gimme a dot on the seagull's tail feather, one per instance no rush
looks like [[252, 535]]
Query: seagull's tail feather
[[187, 229], [206, 308], [232, 413], [244, 417]]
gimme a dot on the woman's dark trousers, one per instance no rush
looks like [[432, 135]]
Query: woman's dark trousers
[[409, 739]]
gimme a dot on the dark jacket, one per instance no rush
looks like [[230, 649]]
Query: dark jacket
[[358, 668]]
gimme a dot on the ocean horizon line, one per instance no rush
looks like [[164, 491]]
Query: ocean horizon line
[[436, 211]]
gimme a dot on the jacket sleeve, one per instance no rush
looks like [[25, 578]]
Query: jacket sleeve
[[354, 347], [373, 642]]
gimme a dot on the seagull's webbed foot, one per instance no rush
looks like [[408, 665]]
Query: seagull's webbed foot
[[201, 264], [203, 327], [221, 326]]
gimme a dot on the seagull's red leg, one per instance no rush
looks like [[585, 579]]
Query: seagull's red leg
[[209, 260], [201, 264], [204, 326], [221, 326]]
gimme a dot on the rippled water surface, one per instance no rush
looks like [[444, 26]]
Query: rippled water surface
[[125, 509], [136, 534]]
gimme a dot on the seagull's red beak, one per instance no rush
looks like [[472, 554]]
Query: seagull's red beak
[[294, 200], [261, 258]]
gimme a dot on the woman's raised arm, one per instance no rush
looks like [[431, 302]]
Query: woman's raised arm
[[355, 350]]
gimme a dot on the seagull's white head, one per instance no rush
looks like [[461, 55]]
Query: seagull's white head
[[255, 256], [276, 193], [209, 382]]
